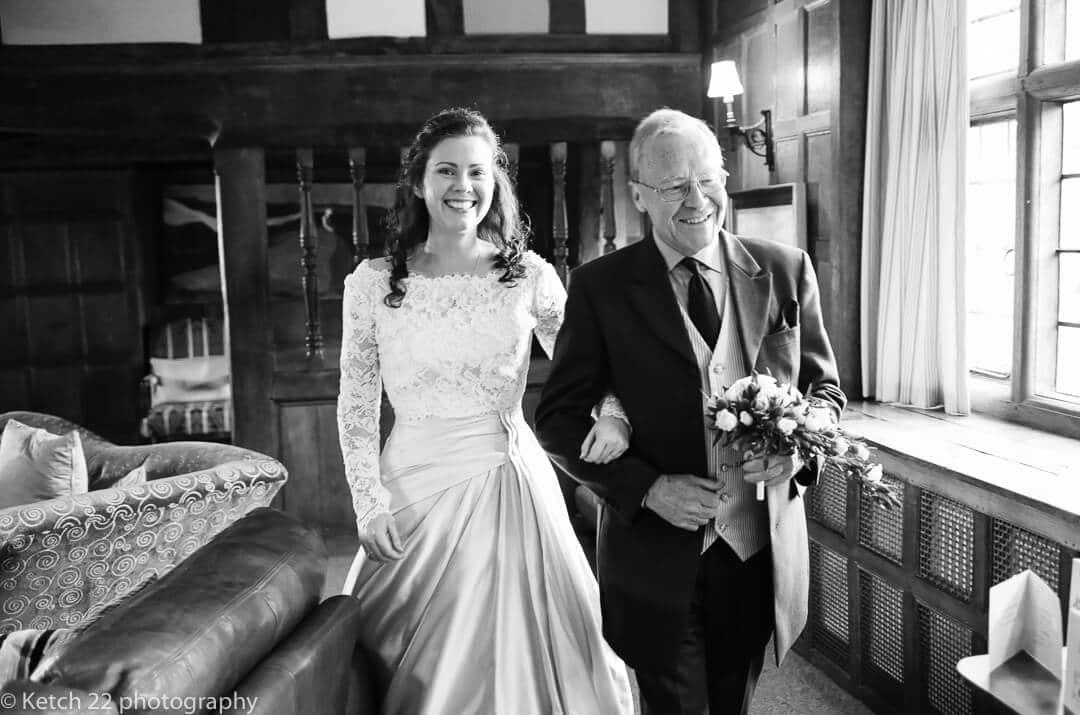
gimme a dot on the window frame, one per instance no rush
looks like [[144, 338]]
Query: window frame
[[1034, 95]]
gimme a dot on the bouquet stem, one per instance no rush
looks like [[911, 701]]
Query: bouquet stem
[[761, 491]]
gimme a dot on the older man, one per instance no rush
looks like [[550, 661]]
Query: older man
[[695, 572]]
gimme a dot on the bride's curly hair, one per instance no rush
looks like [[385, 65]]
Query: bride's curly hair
[[503, 226]]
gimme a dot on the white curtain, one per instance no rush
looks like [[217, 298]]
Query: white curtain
[[913, 307]]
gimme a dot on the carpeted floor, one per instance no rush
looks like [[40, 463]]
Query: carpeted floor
[[797, 687]]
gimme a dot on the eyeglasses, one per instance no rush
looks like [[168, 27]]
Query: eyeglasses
[[707, 184]]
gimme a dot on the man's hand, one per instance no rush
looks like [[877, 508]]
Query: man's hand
[[684, 500], [772, 469], [380, 539]]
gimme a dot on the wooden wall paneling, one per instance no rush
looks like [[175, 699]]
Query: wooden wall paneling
[[58, 391], [54, 335], [317, 492], [821, 53], [14, 388], [444, 17], [791, 67], [686, 25], [790, 162], [819, 192], [849, 111], [98, 250], [567, 17], [307, 20], [758, 75], [46, 260], [265, 100], [243, 243], [246, 20]]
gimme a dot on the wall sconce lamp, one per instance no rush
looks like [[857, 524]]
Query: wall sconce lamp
[[724, 82]]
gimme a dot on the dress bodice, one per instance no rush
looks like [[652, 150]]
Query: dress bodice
[[457, 346]]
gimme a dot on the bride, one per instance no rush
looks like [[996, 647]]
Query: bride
[[476, 594]]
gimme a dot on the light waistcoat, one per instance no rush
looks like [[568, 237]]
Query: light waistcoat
[[741, 521]]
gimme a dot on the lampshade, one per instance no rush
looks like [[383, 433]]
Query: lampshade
[[724, 80]]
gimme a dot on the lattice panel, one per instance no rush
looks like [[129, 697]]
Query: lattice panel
[[942, 643], [828, 499], [1015, 549], [882, 630], [882, 530], [947, 544], [829, 603]]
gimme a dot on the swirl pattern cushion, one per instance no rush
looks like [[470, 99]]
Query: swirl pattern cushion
[[36, 465]]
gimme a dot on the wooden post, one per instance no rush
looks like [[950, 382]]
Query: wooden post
[[360, 238], [607, 193], [559, 231], [513, 156], [243, 245], [309, 247]]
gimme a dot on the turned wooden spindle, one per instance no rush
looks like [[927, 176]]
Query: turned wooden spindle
[[513, 154], [607, 194], [309, 248], [357, 167], [559, 230]]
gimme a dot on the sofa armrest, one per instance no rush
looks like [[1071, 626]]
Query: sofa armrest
[[319, 668], [202, 627], [63, 561]]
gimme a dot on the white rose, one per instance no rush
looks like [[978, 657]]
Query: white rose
[[761, 402], [874, 474], [812, 423], [862, 452], [746, 418], [726, 421], [786, 425], [840, 446]]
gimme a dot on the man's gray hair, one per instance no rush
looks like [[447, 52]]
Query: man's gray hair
[[663, 121]]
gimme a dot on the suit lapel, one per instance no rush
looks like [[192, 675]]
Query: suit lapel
[[654, 300], [751, 287]]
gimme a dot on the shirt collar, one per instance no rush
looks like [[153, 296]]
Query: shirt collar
[[709, 256]]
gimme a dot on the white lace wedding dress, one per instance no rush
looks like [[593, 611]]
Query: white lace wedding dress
[[493, 608]]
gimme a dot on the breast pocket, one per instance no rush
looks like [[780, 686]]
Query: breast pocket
[[780, 355]]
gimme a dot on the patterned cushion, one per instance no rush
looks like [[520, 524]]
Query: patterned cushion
[[36, 465]]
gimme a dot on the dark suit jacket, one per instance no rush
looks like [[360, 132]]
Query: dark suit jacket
[[623, 331]]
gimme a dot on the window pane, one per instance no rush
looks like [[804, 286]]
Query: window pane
[[1070, 136], [1068, 357], [1069, 235], [1072, 30], [1069, 289], [993, 39], [990, 230]]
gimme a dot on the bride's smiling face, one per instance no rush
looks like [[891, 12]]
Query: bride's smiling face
[[458, 184]]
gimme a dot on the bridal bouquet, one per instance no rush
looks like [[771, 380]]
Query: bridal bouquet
[[759, 415]]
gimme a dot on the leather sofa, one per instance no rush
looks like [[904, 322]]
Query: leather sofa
[[221, 607]]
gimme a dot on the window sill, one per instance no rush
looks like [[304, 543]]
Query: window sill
[[997, 466]]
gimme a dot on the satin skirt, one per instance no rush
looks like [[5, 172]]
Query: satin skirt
[[493, 609]]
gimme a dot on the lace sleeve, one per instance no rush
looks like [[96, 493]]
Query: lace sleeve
[[549, 301], [359, 401]]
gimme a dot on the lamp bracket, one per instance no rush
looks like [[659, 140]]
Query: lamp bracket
[[757, 137]]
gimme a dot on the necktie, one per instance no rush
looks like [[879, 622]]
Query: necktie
[[700, 304]]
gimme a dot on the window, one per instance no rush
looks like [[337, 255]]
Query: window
[[991, 239], [1023, 212]]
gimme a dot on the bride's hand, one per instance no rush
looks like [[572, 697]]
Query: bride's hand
[[380, 539], [607, 440]]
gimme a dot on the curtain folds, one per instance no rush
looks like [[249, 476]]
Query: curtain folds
[[913, 305]]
